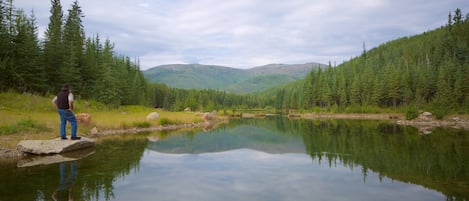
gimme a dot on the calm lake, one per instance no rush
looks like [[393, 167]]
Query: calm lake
[[258, 159]]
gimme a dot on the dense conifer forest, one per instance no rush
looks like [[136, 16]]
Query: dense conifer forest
[[91, 66], [66, 55], [426, 71]]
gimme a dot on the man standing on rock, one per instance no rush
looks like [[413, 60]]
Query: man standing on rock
[[64, 103]]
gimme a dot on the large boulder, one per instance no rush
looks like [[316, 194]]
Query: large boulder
[[153, 116], [55, 146]]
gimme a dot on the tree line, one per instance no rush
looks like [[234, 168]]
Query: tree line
[[91, 66], [175, 99], [430, 70], [65, 55]]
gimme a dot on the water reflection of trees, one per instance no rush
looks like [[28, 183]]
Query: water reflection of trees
[[114, 159], [439, 161], [95, 175]]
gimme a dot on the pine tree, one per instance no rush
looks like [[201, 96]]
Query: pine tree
[[29, 75], [6, 46], [53, 52], [395, 87], [307, 91], [105, 89], [73, 44], [89, 70]]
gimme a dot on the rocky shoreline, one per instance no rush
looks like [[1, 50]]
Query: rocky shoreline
[[426, 123], [18, 153]]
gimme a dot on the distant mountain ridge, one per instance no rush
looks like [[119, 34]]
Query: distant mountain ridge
[[198, 76]]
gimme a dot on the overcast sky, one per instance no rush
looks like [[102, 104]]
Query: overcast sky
[[249, 33]]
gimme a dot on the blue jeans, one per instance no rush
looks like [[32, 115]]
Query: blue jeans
[[67, 115]]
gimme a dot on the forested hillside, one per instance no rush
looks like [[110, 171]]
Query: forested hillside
[[241, 81], [430, 70], [66, 55]]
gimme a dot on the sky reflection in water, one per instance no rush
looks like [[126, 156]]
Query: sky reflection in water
[[246, 174]]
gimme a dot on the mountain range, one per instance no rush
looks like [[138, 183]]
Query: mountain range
[[198, 76]]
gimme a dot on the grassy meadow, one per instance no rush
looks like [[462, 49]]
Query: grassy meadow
[[27, 117]]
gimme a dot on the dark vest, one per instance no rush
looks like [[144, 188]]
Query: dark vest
[[62, 100]]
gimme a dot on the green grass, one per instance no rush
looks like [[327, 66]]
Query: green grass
[[166, 121], [23, 126], [139, 124], [411, 113], [31, 117]]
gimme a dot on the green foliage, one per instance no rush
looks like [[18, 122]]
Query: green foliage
[[166, 121], [364, 109], [34, 103], [412, 113], [138, 124], [24, 125], [426, 69], [201, 100], [439, 111], [65, 56]]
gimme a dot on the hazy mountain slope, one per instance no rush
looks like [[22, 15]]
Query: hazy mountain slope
[[196, 76], [260, 83], [294, 70]]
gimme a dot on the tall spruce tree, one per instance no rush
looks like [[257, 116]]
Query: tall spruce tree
[[6, 45], [53, 51], [106, 90], [89, 69], [29, 75], [73, 44]]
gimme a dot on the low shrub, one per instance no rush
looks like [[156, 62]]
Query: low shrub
[[411, 113], [439, 113]]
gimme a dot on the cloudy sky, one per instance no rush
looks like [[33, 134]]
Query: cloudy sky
[[249, 33]]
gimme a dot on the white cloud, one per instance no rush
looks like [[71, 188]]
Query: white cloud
[[248, 33]]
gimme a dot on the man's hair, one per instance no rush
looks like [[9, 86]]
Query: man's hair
[[66, 87]]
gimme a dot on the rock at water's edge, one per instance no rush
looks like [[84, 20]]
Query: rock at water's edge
[[54, 146]]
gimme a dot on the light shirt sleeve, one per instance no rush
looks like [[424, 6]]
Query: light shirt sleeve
[[70, 97]]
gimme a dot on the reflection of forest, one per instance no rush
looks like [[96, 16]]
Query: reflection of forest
[[113, 159], [438, 161]]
